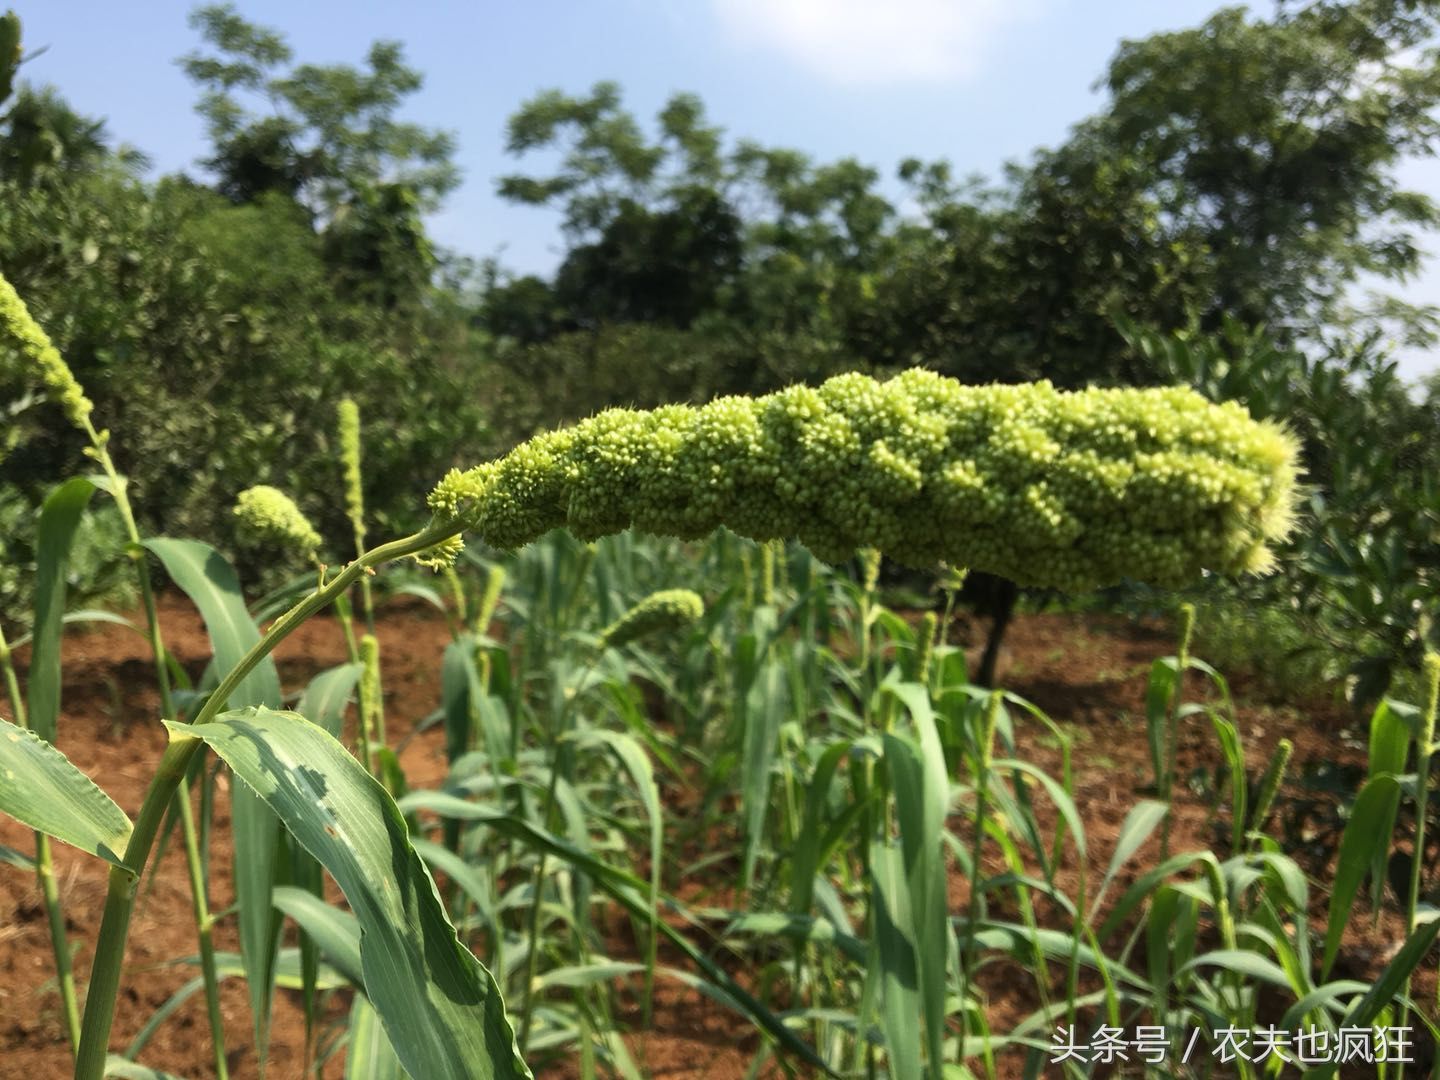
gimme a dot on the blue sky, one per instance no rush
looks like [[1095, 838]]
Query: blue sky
[[978, 82]]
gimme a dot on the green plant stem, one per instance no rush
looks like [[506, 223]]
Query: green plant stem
[[367, 710], [1172, 724], [124, 881], [204, 924], [346, 616], [532, 957], [45, 877], [982, 808], [367, 597], [200, 902]]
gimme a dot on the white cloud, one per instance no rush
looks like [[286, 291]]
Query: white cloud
[[876, 41]]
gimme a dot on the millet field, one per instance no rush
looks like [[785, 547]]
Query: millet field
[[827, 627]]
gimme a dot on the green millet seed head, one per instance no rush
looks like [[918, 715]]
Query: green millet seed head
[[925, 645], [41, 357], [1187, 629], [347, 415], [1072, 490], [658, 613], [443, 555], [1432, 695], [370, 673], [490, 598], [870, 568], [267, 515], [1271, 781]]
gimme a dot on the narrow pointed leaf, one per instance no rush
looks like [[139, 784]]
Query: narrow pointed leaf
[[210, 582], [901, 1003], [327, 696], [1386, 988], [459, 690], [335, 931], [55, 535], [1374, 806], [369, 1055], [440, 1006], [922, 797], [1139, 824]]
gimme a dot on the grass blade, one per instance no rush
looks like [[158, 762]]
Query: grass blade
[[370, 1055], [210, 582], [40, 787], [327, 696], [440, 1006], [59, 518], [336, 932], [1373, 807]]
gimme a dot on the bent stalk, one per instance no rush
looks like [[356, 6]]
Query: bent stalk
[[124, 882]]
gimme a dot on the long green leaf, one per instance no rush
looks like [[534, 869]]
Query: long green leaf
[[1158, 693], [642, 774], [41, 788], [369, 1054], [324, 703], [55, 535], [440, 1006], [761, 709], [16, 858], [1139, 823], [1374, 806], [806, 858], [922, 797], [210, 582], [336, 932], [1390, 736], [460, 689], [1241, 962], [898, 964], [328, 694]]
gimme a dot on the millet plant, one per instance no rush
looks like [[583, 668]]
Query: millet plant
[[1070, 490]]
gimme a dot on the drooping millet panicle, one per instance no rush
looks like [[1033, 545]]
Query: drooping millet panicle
[[1046, 487], [266, 515], [659, 613]]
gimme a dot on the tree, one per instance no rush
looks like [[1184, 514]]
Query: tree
[[326, 131], [1275, 142], [679, 227]]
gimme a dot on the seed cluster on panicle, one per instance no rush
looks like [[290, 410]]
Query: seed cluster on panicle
[[659, 613], [266, 515], [347, 417], [1046, 487], [39, 354]]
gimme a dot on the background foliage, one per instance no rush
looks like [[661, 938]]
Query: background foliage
[[1210, 224]]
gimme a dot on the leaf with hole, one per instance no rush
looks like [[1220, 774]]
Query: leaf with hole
[[440, 1006]]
